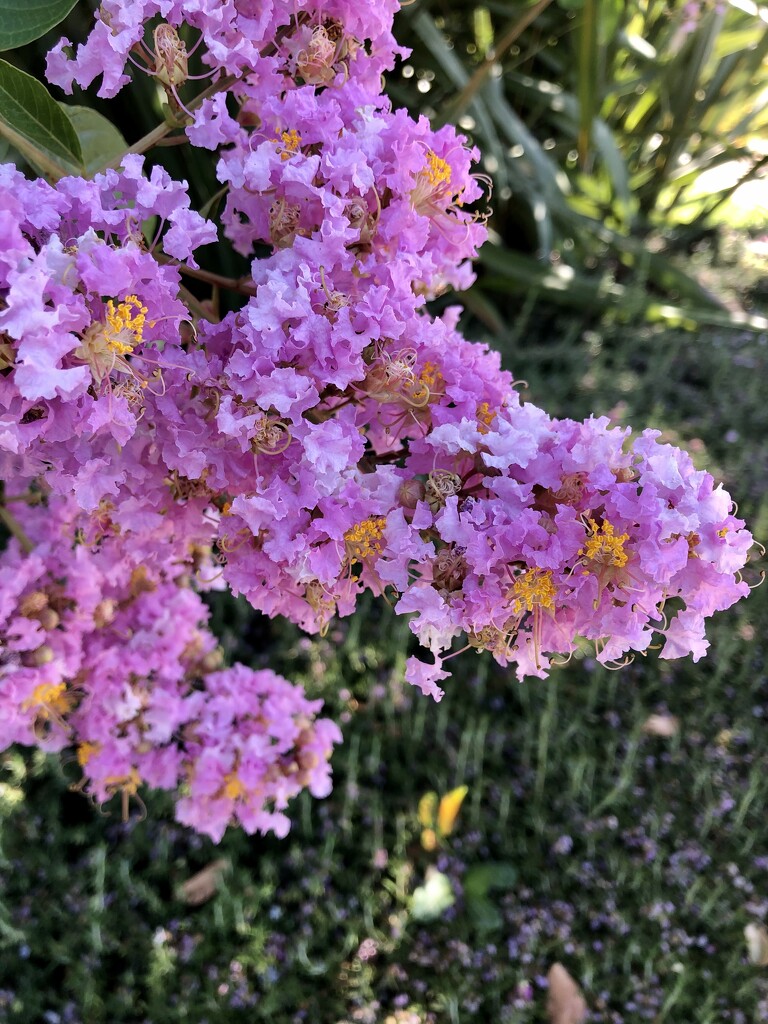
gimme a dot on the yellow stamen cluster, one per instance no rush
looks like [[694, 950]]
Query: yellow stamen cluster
[[431, 376], [603, 546], [437, 170], [86, 751], [365, 539], [126, 784], [50, 696], [234, 787], [124, 328], [533, 589], [291, 141], [693, 542], [485, 417]]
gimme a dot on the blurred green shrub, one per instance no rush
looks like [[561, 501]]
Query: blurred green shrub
[[597, 121]]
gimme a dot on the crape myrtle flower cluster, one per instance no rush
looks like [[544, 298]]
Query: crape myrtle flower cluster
[[329, 437], [106, 652]]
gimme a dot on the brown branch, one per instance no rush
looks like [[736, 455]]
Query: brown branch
[[194, 305], [159, 133], [175, 140], [233, 284], [470, 90]]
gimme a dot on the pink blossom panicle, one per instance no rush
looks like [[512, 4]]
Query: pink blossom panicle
[[328, 437]]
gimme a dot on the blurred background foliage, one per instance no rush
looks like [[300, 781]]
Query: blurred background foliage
[[615, 133]]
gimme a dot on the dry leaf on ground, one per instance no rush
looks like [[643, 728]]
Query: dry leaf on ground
[[203, 885], [757, 944], [665, 726], [565, 1003]]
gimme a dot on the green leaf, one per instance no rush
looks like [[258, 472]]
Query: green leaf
[[8, 154], [32, 121], [484, 915], [567, 110], [483, 27], [21, 21], [552, 181], [482, 878], [512, 272], [587, 75], [100, 141]]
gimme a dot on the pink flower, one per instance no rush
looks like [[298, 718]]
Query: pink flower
[[426, 677]]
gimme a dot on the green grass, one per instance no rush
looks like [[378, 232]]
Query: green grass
[[634, 860]]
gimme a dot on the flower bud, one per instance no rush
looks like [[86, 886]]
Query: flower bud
[[49, 619], [33, 604], [140, 582], [36, 659], [212, 661], [170, 56], [410, 493], [103, 613]]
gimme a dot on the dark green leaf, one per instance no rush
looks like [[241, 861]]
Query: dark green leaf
[[483, 878], [36, 125], [100, 141], [21, 21], [587, 75], [560, 284], [8, 154], [483, 914]]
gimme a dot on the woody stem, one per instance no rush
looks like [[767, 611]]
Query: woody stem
[[234, 284], [157, 134]]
